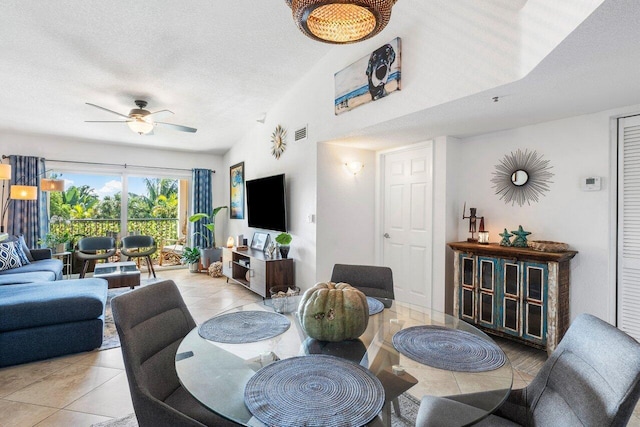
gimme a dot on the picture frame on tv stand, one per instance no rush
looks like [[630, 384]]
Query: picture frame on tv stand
[[260, 241]]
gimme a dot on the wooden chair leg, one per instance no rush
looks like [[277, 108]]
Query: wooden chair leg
[[396, 407], [85, 267], [150, 267]]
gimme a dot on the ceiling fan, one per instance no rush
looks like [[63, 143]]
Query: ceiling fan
[[142, 121]]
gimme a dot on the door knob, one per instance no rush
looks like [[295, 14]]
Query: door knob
[[386, 236]]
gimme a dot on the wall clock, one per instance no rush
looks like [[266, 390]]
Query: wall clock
[[278, 143]]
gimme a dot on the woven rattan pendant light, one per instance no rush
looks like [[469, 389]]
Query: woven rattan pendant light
[[341, 21]]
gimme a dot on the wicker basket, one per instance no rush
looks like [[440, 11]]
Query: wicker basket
[[548, 246]]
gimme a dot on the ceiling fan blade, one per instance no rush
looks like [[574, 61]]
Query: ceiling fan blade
[[107, 121], [159, 115], [178, 127], [106, 109]]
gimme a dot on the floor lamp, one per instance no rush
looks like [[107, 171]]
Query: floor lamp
[[16, 192]]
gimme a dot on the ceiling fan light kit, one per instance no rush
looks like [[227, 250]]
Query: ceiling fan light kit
[[141, 121], [341, 21]]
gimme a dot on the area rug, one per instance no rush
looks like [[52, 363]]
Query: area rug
[[110, 337], [408, 408]]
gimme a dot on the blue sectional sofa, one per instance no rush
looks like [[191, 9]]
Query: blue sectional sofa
[[47, 319], [42, 316]]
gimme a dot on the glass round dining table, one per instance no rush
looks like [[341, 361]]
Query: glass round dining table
[[216, 373]]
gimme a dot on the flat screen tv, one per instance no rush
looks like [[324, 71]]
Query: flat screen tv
[[266, 203]]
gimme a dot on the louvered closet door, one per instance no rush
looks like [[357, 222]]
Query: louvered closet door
[[629, 225]]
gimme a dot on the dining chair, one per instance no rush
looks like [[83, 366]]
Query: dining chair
[[151, 322], [372, 280], [140, 247], [94, 249], [376, 281], [591, 379]]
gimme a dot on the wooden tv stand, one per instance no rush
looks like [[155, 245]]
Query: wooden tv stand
[[255, 271]]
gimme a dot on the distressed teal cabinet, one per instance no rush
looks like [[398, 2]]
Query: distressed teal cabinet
[[517, 293]]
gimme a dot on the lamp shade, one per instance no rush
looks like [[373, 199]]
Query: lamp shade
[[5, 171], [139, 126], [341, 21], [24, 192], [50, 184]]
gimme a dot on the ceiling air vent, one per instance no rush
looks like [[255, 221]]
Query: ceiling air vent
[[301, 134]]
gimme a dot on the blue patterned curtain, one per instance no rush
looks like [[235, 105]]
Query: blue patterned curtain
[[201, 201], [28, 217]]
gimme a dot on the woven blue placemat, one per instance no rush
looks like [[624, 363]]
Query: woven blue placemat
[[244, 326], [375, 306], [450, 349], [317, 390]]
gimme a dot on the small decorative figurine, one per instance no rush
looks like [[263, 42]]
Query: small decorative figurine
[[472, 222], [506, 238], [521, 237]]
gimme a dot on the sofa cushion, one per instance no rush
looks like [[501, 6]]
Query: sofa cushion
[[44, 303], [35, 276], [53, 265], [9, 258]]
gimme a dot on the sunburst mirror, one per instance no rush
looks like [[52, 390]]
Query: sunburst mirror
[[522, 177], [278, 141]]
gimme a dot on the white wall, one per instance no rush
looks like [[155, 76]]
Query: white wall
[[576, 147], [345, 209]]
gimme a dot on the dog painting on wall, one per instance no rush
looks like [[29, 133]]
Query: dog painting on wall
[[368, 79]]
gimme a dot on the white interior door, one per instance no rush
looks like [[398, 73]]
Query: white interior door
[[407, 222], [629, 226]]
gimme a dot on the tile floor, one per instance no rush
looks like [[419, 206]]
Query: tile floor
[[87, 388]]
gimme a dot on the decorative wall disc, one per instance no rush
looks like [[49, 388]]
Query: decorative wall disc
[[522, 177], [278, 143]]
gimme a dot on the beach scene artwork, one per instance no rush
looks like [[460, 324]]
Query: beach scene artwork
[[372, 77], [236, 191]]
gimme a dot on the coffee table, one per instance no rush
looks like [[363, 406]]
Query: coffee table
[[118, 274]]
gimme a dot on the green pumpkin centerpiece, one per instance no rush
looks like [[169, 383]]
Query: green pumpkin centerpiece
[[333, 312]]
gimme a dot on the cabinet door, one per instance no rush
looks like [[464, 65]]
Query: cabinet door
[[535, 280], [487, 304], [510, 293], [258, 277], [227, 259], [467, 291]]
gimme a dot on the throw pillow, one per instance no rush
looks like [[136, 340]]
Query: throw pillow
[[21, 246], [24, 260], [8, 256], [25, 249]]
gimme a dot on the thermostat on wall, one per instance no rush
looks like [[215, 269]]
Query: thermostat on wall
[[591, 183]]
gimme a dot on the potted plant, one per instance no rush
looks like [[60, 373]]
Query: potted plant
[[56, 241], [211, 252], [283, 240], [191, 256]]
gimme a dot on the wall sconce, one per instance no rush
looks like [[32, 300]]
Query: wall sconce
[[354, 167], [230, 242]]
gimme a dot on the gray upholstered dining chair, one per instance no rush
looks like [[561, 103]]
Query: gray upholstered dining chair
[[373, 281], [151, 323], [140, 247], [93, 249], [376, 281], [591, 379]]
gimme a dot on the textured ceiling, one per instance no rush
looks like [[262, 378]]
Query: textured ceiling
[[219, 65], [216, 64]]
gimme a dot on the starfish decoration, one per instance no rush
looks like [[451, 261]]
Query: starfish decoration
[[506, 236], [521, 237]]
